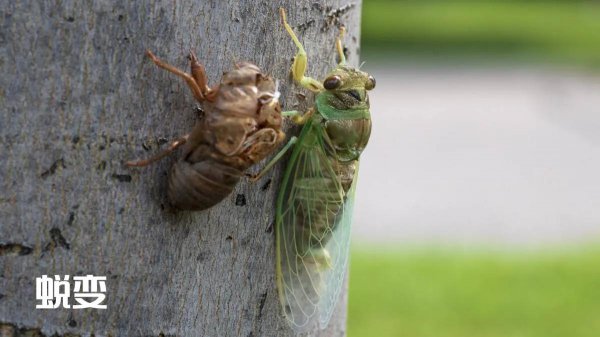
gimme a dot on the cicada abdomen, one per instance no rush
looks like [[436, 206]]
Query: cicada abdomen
[[241, 126]]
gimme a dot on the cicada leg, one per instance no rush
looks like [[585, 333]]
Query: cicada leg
[[172, 147], [199, 74], [339, 46], [296, 117], [278, 156], [300, 60], [189, 79]]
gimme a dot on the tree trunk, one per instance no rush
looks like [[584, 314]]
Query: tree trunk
[[78, 98]]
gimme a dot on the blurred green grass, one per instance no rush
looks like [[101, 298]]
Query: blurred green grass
[[563, 31], [453, 293]]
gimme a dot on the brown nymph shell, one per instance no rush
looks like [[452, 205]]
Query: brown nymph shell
[[241, 126]]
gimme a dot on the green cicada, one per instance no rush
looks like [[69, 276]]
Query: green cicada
[[316, 197]]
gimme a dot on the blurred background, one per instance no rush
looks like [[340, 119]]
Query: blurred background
[[477, 209]]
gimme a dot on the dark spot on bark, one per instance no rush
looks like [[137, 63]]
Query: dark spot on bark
[[102, 147], [72, 323], [246, 315], [245, 242], [75, 139], [1, 296], [339, 12], [333, 16], [124, 178], [53, 168], [121, 17], [161, 140], [240, 200], [76, 206], [14, 249], [266, 185], [70, 19], [101, 166], [71, 219], [146, 146], [229, 238], [261, 303], [201, 256], [121, 210], [58, 239], [163, 335], [199, 112], [304, 26], [346, 52]]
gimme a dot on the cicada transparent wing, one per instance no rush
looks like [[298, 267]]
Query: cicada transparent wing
[[313, 232], [339, 246]]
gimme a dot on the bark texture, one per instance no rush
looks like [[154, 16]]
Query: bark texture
[[78, 98]]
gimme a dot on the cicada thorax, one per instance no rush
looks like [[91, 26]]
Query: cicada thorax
[[241, 127], [347, 121], [347, 138]]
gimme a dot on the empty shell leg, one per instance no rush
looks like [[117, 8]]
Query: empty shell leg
[[191, 82], [172, 147]]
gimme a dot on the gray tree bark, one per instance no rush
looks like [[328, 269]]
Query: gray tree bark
[[78, 98]]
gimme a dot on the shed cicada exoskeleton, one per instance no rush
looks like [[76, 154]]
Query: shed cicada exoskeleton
[[241, 126], [316, 197]]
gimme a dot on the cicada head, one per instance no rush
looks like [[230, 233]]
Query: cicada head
[[347, 88]]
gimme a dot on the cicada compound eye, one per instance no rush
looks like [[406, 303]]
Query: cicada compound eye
[[332, 82], [370, 84]]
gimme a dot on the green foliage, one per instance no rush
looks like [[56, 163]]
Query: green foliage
[[450, 293], [567, 31]]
